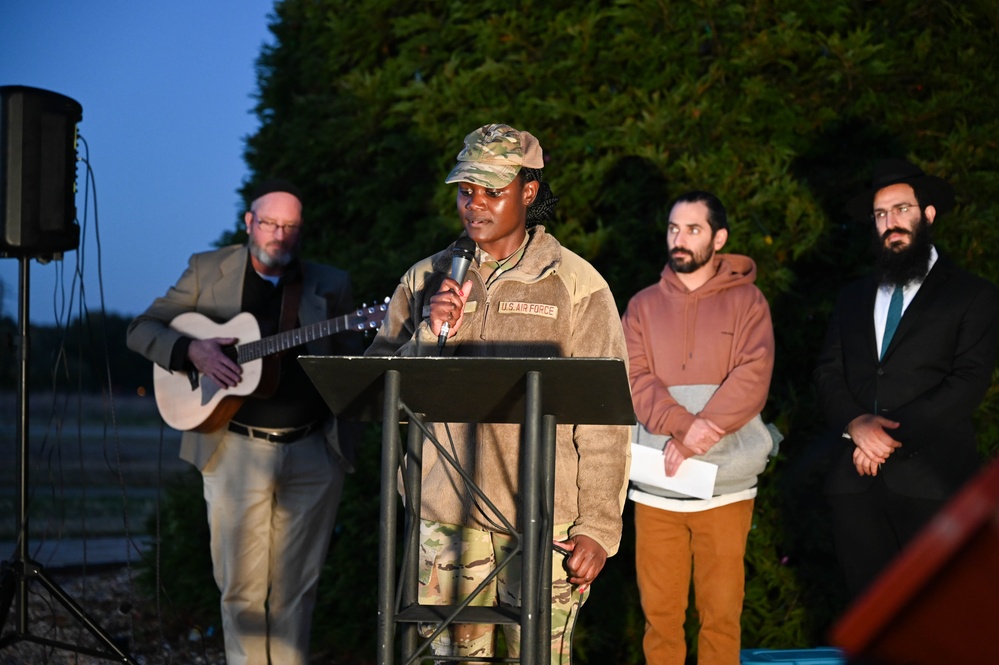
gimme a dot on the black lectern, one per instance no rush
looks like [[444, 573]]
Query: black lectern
[[536, 392]]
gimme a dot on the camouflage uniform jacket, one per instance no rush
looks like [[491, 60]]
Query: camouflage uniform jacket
[[551, 304]]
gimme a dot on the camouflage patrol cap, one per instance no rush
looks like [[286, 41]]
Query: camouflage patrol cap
[[493, 156]]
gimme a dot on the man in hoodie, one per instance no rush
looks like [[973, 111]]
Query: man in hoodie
[[701, 353]]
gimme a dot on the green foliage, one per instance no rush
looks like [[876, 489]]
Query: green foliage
[[178, 569], [344, 622], [779, 107], [366, 104], [611, 625]]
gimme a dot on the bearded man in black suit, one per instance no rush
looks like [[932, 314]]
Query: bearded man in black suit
[[907, 359]]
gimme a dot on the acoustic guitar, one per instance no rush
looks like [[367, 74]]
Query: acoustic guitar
[[193, 401]]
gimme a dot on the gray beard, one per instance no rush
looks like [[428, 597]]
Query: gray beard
[[279, 261]]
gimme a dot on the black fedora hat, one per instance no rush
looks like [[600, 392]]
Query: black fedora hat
[[892, 171]]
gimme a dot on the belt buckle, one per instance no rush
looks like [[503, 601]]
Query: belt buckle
[[277, 437], [289, 436]]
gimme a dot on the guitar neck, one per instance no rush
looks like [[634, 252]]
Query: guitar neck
[[291, 338]]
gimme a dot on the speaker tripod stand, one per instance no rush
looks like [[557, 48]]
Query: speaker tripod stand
[[17, 573]]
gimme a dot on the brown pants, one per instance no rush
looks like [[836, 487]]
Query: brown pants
[[712, 544]]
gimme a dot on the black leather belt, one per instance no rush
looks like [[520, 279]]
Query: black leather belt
[[287, 436]]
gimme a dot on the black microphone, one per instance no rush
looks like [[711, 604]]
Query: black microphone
[[461, 257]]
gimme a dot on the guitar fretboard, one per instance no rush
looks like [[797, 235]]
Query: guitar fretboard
[[292, 338]]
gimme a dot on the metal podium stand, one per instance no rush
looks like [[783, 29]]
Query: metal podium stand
[[537, 392]]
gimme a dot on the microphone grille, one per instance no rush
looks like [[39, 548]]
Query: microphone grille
[[464, 245]]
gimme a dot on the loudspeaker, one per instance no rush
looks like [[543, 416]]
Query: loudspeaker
[[37, 172]]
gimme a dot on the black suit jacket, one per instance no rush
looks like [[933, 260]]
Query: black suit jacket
[[933, 376]]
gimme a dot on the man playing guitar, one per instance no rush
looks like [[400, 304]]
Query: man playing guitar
[[273, 465]]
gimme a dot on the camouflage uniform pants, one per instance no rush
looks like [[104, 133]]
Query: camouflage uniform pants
[[455, 559]]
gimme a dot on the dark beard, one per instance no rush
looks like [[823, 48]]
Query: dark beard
[[694, 262], [899, 267]]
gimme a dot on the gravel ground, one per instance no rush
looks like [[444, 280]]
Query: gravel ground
[[116, 607]]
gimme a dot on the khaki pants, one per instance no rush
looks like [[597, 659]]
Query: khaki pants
[[271, 509], [712, 544], [454, 560]]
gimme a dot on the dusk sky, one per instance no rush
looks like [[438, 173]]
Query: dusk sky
[[167, 95]]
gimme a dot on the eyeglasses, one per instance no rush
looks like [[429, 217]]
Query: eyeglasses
[[898, 210], [271, 227]]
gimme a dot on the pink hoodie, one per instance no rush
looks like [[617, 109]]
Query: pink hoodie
[[718, 335]]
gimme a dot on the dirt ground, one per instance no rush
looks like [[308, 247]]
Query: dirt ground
[[116, 607], [86, 453]]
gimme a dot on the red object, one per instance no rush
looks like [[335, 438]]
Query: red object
[[938, 602]]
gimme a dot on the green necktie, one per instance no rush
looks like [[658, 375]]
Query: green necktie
[[894, 316]]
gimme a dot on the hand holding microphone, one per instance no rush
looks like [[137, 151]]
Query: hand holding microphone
[[461, 258]]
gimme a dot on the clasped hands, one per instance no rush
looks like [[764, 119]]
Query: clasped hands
[[873, 443], [700, 437]]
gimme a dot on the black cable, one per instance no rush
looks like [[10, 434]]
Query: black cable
[[63, 376], [112, 411]]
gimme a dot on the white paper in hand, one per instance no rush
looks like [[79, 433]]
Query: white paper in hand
[[694, 478]]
